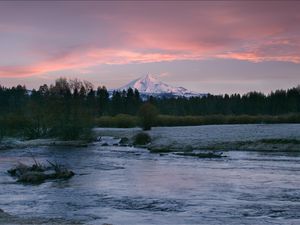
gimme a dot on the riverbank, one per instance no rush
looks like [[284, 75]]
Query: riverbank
[[10, 143], [7, 219], [250, 137]]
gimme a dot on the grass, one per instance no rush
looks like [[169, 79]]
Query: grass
[[127, 121], [278, 144], [120, 121], [38, 173], [164, 120], [266, 145]]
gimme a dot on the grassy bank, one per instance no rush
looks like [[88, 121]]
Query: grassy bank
[[274, 144], [120, 121], [126, 121]]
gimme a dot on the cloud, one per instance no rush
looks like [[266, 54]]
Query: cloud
[[82, 60], [56, 38], [279, 49]]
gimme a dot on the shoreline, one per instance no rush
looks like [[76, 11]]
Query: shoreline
[[6, 219], [174, 139], [129, 121], [164, 141], [11, 143]]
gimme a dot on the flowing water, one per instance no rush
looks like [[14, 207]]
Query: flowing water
[[124, 185]]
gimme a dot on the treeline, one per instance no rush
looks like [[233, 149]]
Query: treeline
[[69, 108], [66, 109], [254, 103]]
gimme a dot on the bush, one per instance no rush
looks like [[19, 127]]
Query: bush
[[166, 120], [126, 121], [120, 120], [142, 139]]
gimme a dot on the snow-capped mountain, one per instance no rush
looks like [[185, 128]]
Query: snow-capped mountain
[[149, 85]]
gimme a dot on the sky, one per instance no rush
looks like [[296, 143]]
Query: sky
[[214, 46]]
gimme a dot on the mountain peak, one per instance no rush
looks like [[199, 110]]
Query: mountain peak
[[148, 79], [150, 85]]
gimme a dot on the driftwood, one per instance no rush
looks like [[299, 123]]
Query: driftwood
[[38, 173]]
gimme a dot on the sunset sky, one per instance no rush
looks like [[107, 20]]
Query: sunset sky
[[216, 47]]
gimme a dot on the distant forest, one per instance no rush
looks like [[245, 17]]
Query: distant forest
[[67, 106]]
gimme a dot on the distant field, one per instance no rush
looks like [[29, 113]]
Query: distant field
[[126, 121]]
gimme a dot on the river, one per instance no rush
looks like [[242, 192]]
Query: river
[[125, 185]]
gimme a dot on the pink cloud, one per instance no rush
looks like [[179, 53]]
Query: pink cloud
[[81, 60], [278, 49], [131, 32]]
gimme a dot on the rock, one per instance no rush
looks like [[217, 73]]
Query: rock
[[124, 141], [38, 173], [64, 174], [142, 139], [104, 144], [18, 170], [33, 177], [21, 169], [4, 214], [98, 138]]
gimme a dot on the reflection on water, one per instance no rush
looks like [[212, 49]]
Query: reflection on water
[[121, 185]]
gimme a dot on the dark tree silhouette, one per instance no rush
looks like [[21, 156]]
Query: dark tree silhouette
[[148, 114], [68, 108]]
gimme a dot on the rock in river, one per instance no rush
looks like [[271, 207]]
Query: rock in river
[[38, 173]]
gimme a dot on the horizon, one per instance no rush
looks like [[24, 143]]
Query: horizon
[[154, 77], [207, 47]]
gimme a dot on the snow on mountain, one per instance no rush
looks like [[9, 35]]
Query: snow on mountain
[[149, 85]]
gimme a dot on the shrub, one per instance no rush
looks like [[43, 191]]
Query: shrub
[[142, 139], [166, 120], [126, 121], [120, 120]]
